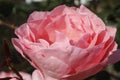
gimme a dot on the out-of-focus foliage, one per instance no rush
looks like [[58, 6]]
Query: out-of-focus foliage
[[15, 12]]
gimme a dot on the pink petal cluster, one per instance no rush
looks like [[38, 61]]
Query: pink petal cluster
[[66, 43]]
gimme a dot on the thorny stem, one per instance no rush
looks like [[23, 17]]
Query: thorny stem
[[8, 60], [15, 71], [8, 25], [8, 78]]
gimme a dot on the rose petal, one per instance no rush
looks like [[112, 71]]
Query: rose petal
[[36, 75], [37, 16], [114, 57], [86, 73], [25, 32], [111, 31]]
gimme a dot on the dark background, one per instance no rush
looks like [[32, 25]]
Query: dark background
[[13, 13]]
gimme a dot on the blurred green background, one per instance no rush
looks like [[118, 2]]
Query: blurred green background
[[13, 13]]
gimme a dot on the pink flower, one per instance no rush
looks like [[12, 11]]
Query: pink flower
[[67, 43], [13, 76]]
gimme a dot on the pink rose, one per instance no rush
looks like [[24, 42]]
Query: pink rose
[[13, 76], [67, 43]]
